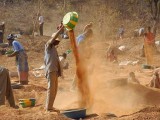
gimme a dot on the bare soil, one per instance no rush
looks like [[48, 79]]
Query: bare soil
[[108, 85]]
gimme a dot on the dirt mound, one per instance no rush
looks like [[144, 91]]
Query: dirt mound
[[123, 98], [149, 113], [36, 88], [140, 94], [28, 114]]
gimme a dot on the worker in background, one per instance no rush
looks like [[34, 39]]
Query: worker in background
[[41, 23], [155, 80], [63, 63], [5, 2], [141, 31], [149, 46], [2, 28], [132, 78], [121, 32]]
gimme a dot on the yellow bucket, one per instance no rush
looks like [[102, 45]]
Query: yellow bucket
[[70, 20], [27, 102]]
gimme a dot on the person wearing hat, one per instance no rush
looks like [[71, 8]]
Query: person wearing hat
[[111, 55], [21, 59], [52, 69], [63, 63]]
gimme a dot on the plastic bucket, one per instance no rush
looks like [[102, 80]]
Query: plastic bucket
[[75, 113], [27, 102], [70, 20], [147, 66]]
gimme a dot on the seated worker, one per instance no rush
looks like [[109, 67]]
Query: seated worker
[[155, 81], [5, 88], [141, 31], [132, 78], [111, 54], [62, 59], [85, 36], [21, 59]]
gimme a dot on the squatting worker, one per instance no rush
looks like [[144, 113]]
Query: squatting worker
[[5, 88], [21, 59], [149, 41], [52, 69]]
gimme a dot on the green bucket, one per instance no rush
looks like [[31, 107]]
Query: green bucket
[[70, 20], [144, 66], [27, 102]]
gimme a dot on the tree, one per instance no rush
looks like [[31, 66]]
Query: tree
[[155, 12]]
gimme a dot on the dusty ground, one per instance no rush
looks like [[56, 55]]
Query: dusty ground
[[111, 92]]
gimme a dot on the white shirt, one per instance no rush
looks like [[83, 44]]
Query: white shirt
[[121, 30], [61, 58], [62, 61], [141, 30], [41, 19]]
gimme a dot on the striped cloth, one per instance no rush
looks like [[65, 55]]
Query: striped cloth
[[21, 60]]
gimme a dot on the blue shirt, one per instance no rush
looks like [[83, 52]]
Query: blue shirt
[[17, 46], [80, 38]]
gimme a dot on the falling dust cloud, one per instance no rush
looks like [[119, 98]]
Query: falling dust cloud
[[85, 99]]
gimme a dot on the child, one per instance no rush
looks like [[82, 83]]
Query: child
[[111, 54], [62, 59]]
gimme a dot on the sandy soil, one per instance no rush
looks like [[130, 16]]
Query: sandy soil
[[109, 88]]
